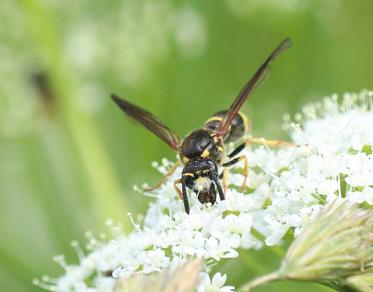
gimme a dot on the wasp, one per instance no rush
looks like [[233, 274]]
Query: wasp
[[204, 149]]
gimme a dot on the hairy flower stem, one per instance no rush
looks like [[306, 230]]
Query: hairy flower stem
[[260, 281]]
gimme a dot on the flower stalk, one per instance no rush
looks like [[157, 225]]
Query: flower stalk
[[336, 248], [259, 281]]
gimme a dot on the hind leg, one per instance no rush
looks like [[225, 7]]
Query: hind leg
[[169, 173], [270, 143]]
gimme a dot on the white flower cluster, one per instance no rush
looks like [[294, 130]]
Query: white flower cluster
[[287, 186]]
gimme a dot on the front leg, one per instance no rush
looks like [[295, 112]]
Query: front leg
[[185, 196], [215, 178], [179, 193]]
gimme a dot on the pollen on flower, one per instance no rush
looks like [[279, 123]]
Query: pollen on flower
[[288, 186]]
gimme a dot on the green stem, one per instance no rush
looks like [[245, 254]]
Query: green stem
[[260, 281], [100, 179]]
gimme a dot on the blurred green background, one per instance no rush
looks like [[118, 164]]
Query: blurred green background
[[68, 157]]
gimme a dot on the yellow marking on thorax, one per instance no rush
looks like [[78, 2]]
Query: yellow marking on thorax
[[205, 153], [220, 149], [219, 119]]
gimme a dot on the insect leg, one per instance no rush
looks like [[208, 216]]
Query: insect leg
[[237, 150], [180, 194], [232, 162], [225, 173], [185, 196], [245, 169], [169, 173], [270, 143], [225, 179], [218, 186]]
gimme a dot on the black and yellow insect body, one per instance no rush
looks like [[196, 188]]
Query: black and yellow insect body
[[201, 176], [201, 143], [203, 150]]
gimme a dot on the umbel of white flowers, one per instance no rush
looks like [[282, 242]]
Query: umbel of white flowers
[[287, 188]]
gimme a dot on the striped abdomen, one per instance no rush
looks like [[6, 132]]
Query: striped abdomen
[[239, 127]]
